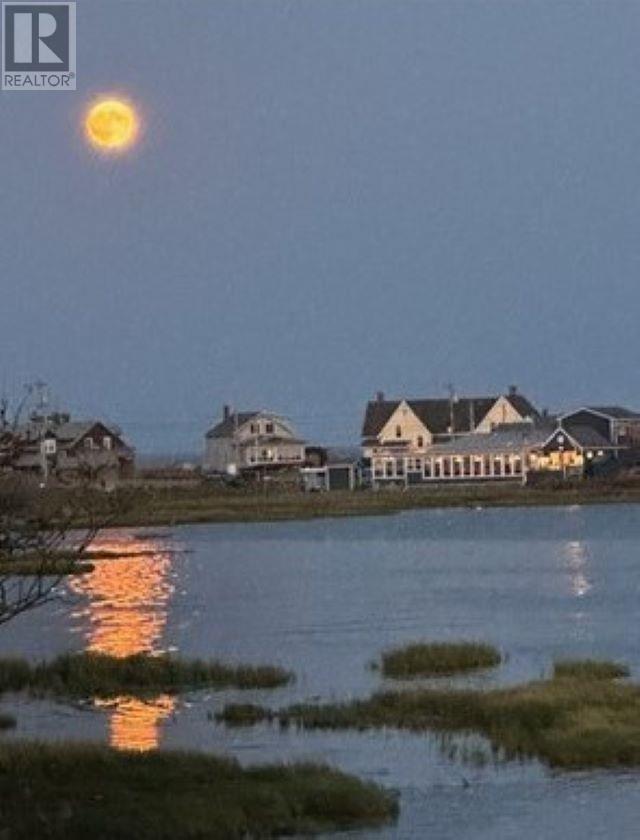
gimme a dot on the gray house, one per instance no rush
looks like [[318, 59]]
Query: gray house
[[55, 447], [252, 441]]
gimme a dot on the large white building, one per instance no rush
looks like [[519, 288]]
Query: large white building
[[400, 437]]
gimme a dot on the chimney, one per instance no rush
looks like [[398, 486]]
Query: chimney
[[226, 412], [379, 396], [513, 390]]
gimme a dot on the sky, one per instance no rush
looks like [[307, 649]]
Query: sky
[[329, 198]]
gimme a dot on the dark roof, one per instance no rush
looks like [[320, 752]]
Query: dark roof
[[587, 437], [68, 432], [617, 412], [523, 406], [436, 413], [226, 427], [376, 416]]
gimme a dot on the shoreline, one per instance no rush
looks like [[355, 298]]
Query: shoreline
[[169, 506]]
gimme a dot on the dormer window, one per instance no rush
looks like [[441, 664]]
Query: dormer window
[[255, 428], [269, 428]]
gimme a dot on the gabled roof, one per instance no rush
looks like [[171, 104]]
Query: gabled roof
[[226, 427], [68, 432], [523, 406], [377, 415], [583, 436], [435, 414], [616, 412]]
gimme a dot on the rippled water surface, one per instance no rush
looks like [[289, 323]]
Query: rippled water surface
[[323, 599]]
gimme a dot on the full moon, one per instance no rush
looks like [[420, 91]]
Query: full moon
[[111, 125]]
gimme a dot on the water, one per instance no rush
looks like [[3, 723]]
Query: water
[[323, 599]]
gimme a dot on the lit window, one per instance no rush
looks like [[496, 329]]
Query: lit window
[[107, 443], [49, 446]]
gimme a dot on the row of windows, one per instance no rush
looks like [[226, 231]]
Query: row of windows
[[50, 445], [269, 456], [454, 466], [256, 428], [90, 443]]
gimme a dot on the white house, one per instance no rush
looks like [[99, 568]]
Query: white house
[[252, 441]]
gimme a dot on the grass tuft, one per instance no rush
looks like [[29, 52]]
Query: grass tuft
[[438, 659], [100, 675], [243, 714], [63, 791], [589, 669]]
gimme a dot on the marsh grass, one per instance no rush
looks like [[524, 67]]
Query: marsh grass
[[68, 791], [589, 669], [47, 568], [99, 675], [153, 506], [438, 659], [569, 721], [243, 714]]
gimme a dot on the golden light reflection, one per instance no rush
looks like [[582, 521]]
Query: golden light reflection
[[127, 599]]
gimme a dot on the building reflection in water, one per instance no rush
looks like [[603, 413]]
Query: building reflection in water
[[576, 561], [124, 611], [577, 565]]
